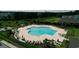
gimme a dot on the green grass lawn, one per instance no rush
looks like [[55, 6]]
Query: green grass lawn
[[12, 40], [73, 32], [17, 23], [9, 23], [3, 36], [51, 20]]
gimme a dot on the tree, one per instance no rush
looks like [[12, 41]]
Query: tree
[[65, 44], [0, 44], [48, 43], [45, 42], [9, 33]]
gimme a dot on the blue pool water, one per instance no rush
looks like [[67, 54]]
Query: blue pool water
[[41, 30]]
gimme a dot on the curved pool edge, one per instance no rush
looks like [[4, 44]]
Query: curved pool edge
[[23, 33]]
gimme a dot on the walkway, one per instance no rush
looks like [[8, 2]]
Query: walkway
[[3, 45], [8, 44]]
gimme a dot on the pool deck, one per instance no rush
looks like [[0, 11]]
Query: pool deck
[[23, 33]]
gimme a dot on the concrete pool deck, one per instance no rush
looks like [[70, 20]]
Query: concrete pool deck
[[23, 34]]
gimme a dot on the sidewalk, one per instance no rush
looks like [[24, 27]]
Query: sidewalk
[[8, 44]]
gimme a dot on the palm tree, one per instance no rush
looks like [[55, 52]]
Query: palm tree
[[45, 42], [0, 44], [52, 44], [65, 44], [49, 43], [9, 33]]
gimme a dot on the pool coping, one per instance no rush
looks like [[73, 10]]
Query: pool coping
[[23, 33]]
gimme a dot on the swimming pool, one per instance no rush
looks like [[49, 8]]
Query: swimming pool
[[41, 31]]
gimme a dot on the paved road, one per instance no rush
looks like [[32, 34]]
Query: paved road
[[3, 46], [8, 44], [74, 43]]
